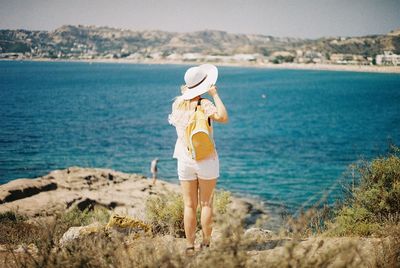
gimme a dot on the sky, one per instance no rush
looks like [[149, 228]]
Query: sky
[[290, 18]]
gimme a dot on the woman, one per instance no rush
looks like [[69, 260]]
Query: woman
[[197, 178]]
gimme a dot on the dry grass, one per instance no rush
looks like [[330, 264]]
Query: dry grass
[[389, 255], [305, 243], [165, 212], [15, 230], [230, 249]]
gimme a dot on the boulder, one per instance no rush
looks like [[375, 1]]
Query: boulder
[[23, 188], [74, 233], [126, 224]]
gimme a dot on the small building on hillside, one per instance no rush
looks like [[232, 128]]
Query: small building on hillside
[[388, 58], [339, 58]]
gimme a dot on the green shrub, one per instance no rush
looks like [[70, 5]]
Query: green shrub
[[165, 212], [374, 201], [76, 217], [221, 201], [11, 216]]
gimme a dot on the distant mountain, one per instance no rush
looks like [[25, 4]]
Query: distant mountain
[[97, 41]]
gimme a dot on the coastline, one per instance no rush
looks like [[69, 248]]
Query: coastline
[[118, 192], [285, 66], [89, 234]]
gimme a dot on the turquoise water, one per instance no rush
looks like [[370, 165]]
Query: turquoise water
[[287, 148]]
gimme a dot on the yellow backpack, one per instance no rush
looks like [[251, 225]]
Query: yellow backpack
[[198, 135]]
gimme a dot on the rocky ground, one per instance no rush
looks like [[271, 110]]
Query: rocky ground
[[126, 194], [83, 187], [120, 192]]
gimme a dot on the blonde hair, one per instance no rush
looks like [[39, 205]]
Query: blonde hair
[[180, 103]]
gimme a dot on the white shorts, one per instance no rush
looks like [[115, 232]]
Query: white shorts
[[206, 169]]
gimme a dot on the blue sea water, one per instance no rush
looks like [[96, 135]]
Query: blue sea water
[[291, 135]]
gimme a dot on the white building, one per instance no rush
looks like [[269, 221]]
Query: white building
[[192, 56], [245, 57], [387, 58]]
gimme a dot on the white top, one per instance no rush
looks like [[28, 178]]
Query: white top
[[180, 119], [153, 166]]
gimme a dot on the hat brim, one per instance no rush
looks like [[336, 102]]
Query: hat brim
[[212, 76]]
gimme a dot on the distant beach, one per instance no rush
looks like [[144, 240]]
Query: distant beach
[[295, 66]]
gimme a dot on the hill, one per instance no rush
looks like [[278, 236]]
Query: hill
[[81, 41]]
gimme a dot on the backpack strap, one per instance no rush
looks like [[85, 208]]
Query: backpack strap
[[198, 103]]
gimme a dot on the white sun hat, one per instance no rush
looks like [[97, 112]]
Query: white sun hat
[[199, 79]]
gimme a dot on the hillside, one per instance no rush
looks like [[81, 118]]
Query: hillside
[[93, 42]]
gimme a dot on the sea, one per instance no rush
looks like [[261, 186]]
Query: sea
[[291, 139]]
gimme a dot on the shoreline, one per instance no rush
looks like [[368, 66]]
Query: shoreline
[[282, 66], [117, 191], [83, 234]]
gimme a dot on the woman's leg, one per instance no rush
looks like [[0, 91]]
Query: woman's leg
[[206, 188], [190, 199]]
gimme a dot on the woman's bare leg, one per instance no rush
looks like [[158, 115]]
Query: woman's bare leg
[[190, 199], [206, 188]]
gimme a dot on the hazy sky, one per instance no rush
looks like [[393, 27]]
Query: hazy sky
[[296, 18]]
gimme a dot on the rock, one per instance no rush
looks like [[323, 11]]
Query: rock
[[82, 187], [86, 188], [75, 178], [74, 233], [71, 234], [320, 252], [22, 188], [126, 224], [127, 229], [258, 234]]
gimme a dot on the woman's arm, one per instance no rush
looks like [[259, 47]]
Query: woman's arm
[[221, 115]]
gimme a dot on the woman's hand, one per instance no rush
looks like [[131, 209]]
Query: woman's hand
[[213, 91], [221, 115]]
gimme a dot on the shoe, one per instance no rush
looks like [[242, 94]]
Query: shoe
[[189, 251], [203, 245]]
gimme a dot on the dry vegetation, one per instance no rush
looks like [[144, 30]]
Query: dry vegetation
[[363, 232]]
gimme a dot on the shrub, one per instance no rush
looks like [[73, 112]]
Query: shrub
[[165, 212], [15, 229], [374, 200], [222, 200], [76, 217], [389, 255], [11, 216]]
